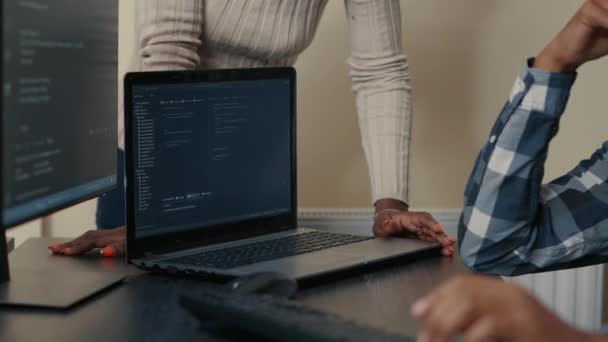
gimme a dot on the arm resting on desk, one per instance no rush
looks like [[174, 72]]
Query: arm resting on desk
[[511, 223]]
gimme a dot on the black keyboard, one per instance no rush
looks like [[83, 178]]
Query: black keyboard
[[255, 252], [278, 319]]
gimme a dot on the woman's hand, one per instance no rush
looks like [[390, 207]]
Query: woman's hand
[[489, 309], [393, 219], [111, 241]]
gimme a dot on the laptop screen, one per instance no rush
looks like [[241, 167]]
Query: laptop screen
[[210, 153]]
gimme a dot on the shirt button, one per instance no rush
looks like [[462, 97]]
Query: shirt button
[[492, 139]]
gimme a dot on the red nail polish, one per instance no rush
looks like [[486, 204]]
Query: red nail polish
[[55, 246], [108, 252]]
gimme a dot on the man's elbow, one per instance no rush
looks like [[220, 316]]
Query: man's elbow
[[469, 259], [485, 268], [484, 260]]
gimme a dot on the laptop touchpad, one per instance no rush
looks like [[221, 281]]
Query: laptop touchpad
[[328, 257]]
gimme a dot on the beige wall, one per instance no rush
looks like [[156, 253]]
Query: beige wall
[[464, 56]]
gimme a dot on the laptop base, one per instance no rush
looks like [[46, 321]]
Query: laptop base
[[320, 266]]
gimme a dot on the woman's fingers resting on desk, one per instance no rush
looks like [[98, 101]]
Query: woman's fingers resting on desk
[[112, 243], [419, 224]]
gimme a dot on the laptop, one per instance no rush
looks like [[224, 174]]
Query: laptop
[[211, 180]]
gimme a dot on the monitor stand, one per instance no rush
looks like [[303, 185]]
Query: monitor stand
[[4, 272], [39, 288]]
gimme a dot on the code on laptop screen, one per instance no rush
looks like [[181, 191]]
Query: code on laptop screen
[[210, 153]]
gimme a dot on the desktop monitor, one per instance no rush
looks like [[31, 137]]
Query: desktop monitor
[[59, 109]]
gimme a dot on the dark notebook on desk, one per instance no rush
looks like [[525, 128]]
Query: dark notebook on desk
[[211, 180]]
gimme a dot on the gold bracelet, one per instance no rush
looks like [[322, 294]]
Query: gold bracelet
[[376, 215]]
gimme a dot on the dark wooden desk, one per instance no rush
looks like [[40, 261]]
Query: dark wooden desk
[[144, 307]]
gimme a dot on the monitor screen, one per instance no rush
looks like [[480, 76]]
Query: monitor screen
[[59, 104], [210, 153]]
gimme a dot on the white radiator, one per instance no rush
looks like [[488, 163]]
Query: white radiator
[[575, 295]]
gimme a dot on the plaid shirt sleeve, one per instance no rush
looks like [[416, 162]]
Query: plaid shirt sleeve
[[513, 224]]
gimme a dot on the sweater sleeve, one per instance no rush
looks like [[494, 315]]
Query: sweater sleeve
[[170, 34], [381, 85], [168, 37]]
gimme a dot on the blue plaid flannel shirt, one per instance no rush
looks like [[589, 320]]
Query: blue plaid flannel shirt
[[513, 224]]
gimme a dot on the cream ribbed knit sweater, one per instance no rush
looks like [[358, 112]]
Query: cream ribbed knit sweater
[[191, 34]]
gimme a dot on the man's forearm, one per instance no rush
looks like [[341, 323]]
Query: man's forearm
[[502, 197], [550, 61]]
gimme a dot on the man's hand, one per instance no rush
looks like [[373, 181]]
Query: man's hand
[[112, 243], [585, 38], [394, 219], [489, 309]]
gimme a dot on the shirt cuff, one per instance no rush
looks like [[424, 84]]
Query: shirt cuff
[[540, 91], [551, 79]]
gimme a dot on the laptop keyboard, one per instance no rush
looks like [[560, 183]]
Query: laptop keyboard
[[267, 250]]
